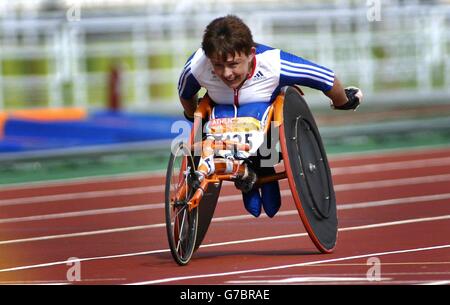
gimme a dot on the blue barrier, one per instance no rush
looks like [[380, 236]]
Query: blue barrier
[[102, 127]]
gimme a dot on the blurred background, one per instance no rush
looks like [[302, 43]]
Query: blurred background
[[89, 87]]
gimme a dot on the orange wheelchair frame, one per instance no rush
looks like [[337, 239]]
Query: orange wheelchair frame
[[203, 111], [188, 198]]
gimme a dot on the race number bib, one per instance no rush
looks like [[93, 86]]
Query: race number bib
[[244, 130]]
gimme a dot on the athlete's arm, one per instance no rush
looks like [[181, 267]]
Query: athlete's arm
[[189, 106], [337, 93], [299, 71], [188, 88]]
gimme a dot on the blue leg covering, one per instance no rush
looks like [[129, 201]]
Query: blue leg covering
[[253, 202], [271, 198]]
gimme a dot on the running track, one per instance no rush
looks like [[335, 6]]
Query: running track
[[393, 208]]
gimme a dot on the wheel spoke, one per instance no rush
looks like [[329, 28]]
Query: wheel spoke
[[181, 231], [180, 210]]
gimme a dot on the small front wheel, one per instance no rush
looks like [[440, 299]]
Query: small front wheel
[[181, 223]]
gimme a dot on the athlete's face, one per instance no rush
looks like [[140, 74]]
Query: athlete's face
[[235, 69]]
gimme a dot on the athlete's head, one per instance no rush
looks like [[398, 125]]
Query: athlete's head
[[228, 43]]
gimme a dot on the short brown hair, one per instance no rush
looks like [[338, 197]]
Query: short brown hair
[[226, 36]]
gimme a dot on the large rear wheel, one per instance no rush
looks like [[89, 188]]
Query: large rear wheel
[[308, 171]]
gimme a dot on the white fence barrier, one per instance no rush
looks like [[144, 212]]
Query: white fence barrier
[[395, 53]]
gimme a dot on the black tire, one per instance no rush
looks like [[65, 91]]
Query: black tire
[[181, 224], [308, 171], [206, 210]]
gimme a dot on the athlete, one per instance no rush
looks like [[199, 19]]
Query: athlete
[[243, 78]]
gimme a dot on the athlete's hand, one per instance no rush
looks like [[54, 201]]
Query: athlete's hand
[[354, 99]]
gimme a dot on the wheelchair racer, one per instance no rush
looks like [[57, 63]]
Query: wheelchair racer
[[243, 78]]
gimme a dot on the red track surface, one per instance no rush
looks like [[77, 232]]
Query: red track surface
[[394, 207]]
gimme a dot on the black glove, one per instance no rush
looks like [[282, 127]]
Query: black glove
[[188, 118], [354, 96]]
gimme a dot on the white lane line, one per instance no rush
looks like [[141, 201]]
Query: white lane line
[[83, 180], [58, 282], [82, 260], [362, 227], [417, 151], [392, 182], [42, 283], [115, 230], [80, 234], [160, 189], [360, 282], [307, 279], [83, 195], [348, 206], [354, 274], [284, 193], [406, 200], [436, 283], [210, 275], [133, 208], [388, 166], [371, 226], [396, 223]]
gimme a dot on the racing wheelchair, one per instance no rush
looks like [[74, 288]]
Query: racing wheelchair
[[190, 200]]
